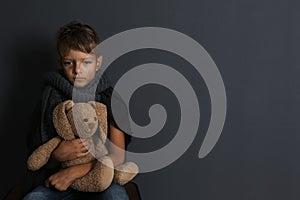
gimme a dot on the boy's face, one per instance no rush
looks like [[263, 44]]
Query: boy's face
[[79, 67]]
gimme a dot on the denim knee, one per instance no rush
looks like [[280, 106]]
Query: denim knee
[[43, 193], [35, 196], [115, 192]]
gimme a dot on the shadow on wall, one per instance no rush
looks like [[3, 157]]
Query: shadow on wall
[[26, 62]]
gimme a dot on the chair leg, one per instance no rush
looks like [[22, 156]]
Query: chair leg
[[132, 191], [15, 193]]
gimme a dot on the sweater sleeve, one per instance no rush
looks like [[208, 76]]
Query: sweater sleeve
[[42, 128], [33, 135]]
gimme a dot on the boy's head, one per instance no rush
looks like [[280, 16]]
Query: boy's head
[[77, 36], [75, 44]]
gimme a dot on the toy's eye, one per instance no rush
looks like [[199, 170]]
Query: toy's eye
[[85, 119], [95, 118]]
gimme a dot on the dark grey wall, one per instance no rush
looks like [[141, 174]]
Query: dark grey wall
[[255, 45]]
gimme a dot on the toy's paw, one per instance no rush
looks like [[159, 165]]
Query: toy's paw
[[125, 172]]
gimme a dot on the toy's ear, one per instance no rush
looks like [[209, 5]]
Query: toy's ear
[[61, 122], [101, 113]]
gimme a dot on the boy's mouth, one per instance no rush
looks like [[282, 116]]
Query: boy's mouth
[[79, 78]]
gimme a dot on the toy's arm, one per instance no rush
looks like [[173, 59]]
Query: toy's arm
[[99, 148], [42, 154], [117, 145]]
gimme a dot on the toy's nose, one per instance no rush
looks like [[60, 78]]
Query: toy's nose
[[91, 125]]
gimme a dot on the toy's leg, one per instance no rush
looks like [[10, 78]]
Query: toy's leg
[[98, 179], [125, 172]]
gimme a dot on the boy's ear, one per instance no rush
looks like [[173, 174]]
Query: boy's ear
[[99, 62]]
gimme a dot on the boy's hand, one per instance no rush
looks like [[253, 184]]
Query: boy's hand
[[62, 179], [69, 150]]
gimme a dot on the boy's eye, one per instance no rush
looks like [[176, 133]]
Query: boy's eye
[[67, 63], [86, 62]]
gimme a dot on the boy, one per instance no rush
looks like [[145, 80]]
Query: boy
[[80, 71]]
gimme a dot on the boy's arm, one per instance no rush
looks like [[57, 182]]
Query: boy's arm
[[69, 150], [64, 178]]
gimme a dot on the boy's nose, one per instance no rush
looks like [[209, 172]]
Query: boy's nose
[[77, 68]]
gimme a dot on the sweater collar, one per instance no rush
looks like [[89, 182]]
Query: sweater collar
[[89, 92]]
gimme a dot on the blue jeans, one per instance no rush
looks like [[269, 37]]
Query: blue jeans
[[113, 192]]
